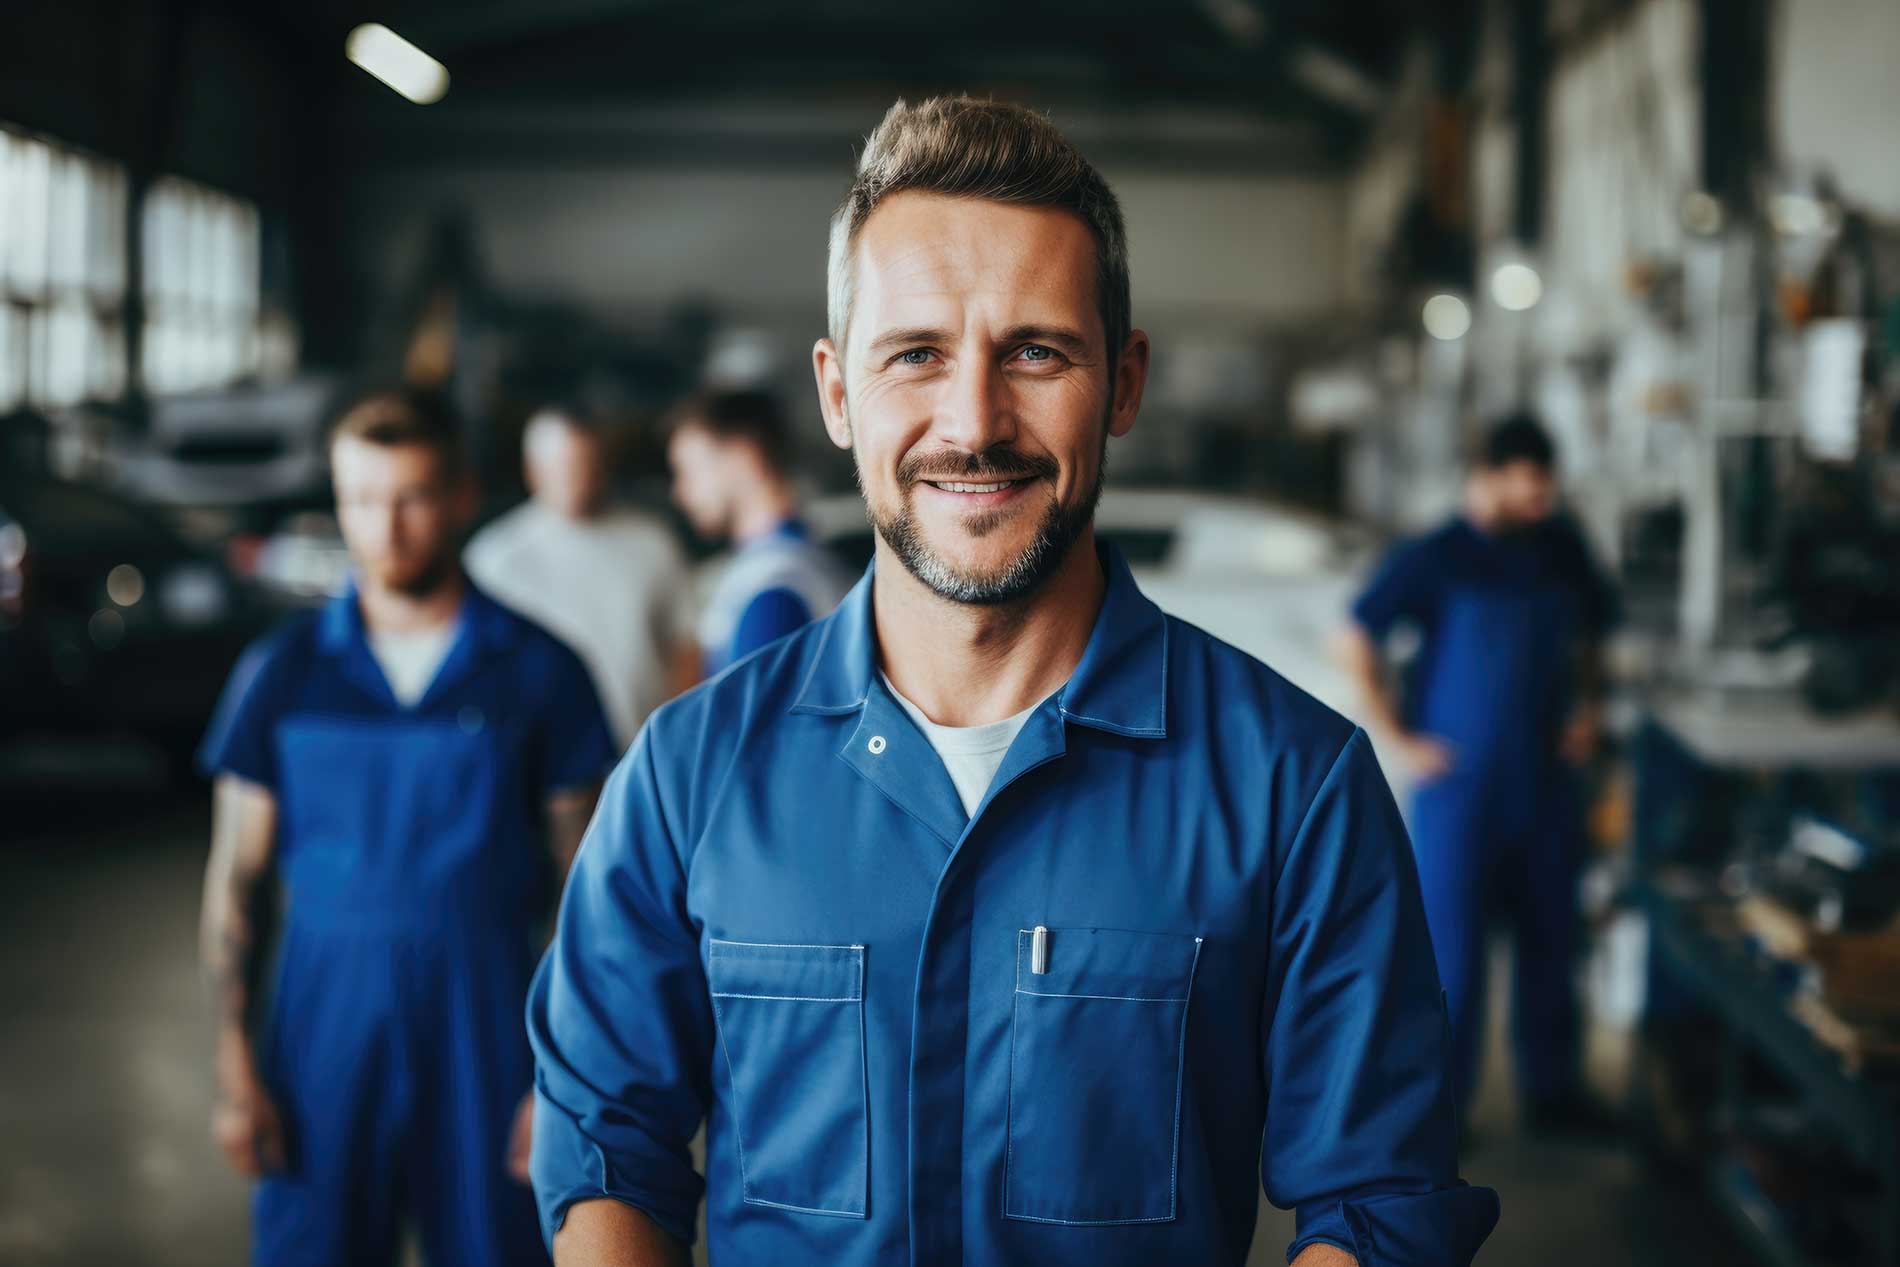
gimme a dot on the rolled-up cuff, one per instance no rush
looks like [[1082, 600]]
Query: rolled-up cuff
[[567, 1166], [1432, 1229]]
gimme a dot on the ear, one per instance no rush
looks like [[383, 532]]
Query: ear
[[1131, 377], [827, 367]]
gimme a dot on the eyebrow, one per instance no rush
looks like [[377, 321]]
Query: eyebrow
[[1072, 342], [892, 339]]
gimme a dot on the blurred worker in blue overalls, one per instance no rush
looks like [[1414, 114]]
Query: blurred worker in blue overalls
[[727, 451], [416, 763], [1500, 711]]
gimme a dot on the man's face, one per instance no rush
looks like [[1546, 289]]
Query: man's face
[[401, 516], [1524, 493], [703, 478], [566, 466], [974, 389]]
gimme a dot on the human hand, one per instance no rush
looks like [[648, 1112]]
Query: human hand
[[246, 1125], [1426, 756], [521, 1140], [1581, 735]]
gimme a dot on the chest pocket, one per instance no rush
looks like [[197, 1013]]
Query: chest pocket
[[1095, 1076], [791, 1025]]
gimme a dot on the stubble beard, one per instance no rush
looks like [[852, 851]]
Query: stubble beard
[[1057, 531]]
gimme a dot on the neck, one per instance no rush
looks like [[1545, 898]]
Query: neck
[[390, 611], [574, 512], [762, 511], [966, 665]]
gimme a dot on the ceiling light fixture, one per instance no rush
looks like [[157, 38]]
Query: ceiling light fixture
[[1446, 317], [398, 63]]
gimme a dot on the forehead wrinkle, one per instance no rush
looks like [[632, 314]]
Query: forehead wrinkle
[[908, 260]]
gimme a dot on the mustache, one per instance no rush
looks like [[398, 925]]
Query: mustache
[[989, 466]]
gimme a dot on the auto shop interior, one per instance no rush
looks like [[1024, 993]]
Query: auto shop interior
[[1608, 290]]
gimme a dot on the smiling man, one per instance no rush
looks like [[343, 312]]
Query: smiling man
[[998, 917]]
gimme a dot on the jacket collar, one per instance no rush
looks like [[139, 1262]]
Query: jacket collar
[[484, 628], [483, 620], [1120, 685]]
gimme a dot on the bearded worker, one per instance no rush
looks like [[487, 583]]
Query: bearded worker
[[412, 765], [997, 917]]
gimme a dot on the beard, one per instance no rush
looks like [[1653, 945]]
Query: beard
[[422, 580], [1520, 525], [1056, 533]]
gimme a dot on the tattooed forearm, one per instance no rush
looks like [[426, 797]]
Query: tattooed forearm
[[244, 1119], [237, 900]]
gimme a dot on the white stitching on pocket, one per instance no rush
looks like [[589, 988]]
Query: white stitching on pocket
[[1174, 1161], [1113, 998], [738, 1136], [788, 998]]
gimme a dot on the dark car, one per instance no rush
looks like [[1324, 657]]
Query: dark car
[[110, 622]]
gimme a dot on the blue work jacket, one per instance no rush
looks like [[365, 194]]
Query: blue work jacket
[[1177, 949]]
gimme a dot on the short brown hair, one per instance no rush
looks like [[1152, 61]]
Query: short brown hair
[[751, 415], [961, 147], [404, 415]]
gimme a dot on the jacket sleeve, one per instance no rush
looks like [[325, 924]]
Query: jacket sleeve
[[1404, 588], [1360, 1139], [241, 737], [620, 1020]]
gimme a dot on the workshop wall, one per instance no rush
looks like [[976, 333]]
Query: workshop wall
[[610, 236], [1836, 95]]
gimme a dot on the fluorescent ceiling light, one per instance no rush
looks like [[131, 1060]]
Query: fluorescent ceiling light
[[1702, 212], [1797, 215], [1516, 287], [397, 62], [1446, 317]]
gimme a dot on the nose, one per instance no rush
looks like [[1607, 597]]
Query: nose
[[974, 412]]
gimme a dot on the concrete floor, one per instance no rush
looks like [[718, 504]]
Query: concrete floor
[[105, 1158]]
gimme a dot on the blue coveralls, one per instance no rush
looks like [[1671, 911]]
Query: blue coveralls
[[412, 850], [784, 923], [1503, 619]]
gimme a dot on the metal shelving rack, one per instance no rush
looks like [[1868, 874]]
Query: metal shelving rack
[[1863, 1116]]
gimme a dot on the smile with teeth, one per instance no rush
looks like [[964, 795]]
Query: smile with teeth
[[956, 486]]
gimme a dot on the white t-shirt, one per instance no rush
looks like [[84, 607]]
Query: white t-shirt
[[613, 587], [972, 754], [410, 661]]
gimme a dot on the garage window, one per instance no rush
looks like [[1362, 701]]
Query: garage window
[[201, 255], [62, 274]]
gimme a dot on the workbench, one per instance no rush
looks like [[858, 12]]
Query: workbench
[[1757, 731], [1863, 1116], [1717, 777]]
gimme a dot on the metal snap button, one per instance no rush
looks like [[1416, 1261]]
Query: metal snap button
[[876, 745]]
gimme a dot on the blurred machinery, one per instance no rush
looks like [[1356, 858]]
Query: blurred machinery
[[110, 621], [1772, 890], [1766, 855]]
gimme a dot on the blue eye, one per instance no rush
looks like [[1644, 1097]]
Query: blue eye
[[915, 356], [1037, 352]]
